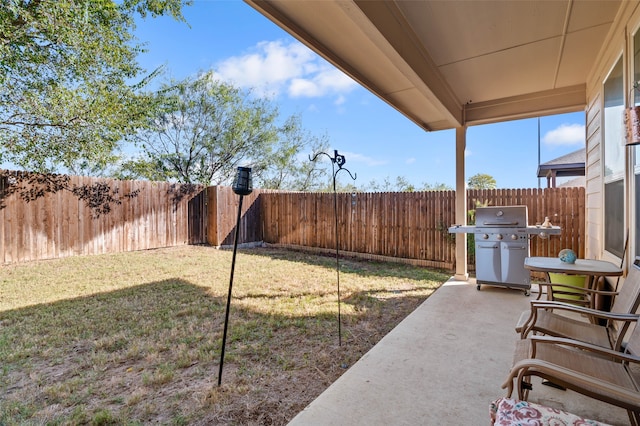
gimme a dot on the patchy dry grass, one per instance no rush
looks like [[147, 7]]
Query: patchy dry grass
[[135, 338]]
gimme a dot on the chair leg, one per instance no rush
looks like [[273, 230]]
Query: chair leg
[[524, 385]]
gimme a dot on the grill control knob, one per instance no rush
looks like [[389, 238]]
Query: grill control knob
[[485, 236], [514, 237], [499, 236]]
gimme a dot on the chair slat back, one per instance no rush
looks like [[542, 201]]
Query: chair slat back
[[633, 345], [628, 300]]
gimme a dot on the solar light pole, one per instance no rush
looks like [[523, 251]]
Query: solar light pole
[[242, 185]]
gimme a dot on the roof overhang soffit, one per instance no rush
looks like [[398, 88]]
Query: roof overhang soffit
[[397, 32], [374, 43], [390, 22]]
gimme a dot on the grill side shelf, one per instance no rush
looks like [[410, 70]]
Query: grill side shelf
[[461, 229]]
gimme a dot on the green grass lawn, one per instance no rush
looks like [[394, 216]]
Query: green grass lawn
[[135, 338]]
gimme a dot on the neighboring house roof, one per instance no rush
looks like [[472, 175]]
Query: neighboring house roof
[[569, 165], [572, 164]]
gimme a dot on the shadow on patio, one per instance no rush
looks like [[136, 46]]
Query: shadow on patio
[[443, 364]]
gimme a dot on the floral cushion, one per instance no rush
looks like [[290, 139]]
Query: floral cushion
[[512, 412]]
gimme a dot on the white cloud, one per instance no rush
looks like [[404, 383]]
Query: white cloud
[[352, 157], [273, 67], [340, 100], [322, 81], [468, 153], [301, 87], [410, 160], [565, 134]]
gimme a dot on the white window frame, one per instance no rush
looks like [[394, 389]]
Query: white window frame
[[614, 139]]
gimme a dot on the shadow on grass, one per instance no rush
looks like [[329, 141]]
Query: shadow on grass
[[350, 265], [150, 353]]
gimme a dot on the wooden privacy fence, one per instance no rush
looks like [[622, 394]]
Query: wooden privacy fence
[[46, 216], [222, 207], [399, 225], [565, 207], [412, 225]]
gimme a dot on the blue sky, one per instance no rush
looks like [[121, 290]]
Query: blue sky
[[247, 49]]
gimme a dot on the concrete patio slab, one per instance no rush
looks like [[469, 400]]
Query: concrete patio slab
[[442, 365]]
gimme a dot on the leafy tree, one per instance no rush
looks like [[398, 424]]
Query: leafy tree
[[287, 167], [436, 187], [66, 67], [205, 130], [481, 181], [342, 185], [208, 128], [401, 184]]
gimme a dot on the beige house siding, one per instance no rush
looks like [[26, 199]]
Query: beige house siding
[[626, 22]]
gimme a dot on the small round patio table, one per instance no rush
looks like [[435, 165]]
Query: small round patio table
[[594, 270]]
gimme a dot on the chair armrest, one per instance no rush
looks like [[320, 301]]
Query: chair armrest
[[550, 304], [569, 378], [616, 355]]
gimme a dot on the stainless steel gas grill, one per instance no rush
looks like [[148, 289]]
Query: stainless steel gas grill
[[501, 244]]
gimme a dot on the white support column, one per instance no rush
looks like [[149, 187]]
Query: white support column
[[462, 273]]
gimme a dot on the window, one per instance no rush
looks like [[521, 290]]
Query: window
[[614, 161]]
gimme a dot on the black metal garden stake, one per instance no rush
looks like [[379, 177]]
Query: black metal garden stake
[[339, 160], [242, 185]]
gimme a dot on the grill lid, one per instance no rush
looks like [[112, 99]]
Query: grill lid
[[501, 217]]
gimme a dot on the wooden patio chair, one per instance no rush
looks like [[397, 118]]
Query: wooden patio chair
[[550, 317], [594, 371]]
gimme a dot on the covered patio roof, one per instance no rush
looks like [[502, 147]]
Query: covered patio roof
[[447, 64]]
